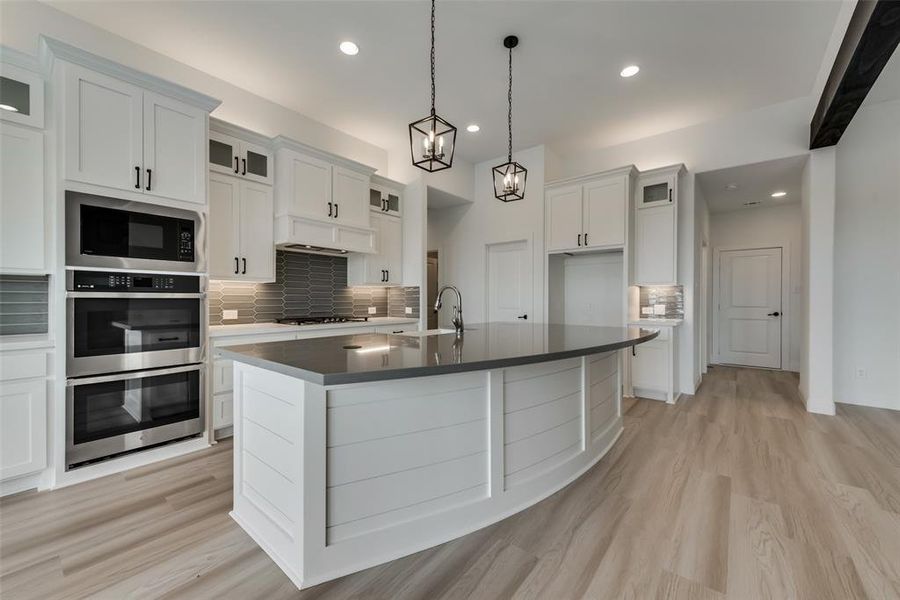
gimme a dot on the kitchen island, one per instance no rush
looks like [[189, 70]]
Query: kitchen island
[[354, 450]]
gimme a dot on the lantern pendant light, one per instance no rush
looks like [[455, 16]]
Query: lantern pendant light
[[432, 139], [509, 178]]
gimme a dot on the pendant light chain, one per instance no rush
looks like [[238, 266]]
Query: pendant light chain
[[509, 100], [432, 57]]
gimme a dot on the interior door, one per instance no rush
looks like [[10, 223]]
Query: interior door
[[604, 213], [103, 130], [564, 218], [509, 281], [224, 197], [749, 320], [174, 149], [257, 227]]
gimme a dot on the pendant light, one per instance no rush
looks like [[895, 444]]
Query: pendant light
[[509, 178], [432, 139]]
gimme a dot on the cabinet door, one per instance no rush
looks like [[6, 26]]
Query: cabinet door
[[393, 203], [224, 153], [174, 149], [655, 251], [223, 410], [605, 204], [22, 233], [310, 181], [390, 248], [222, 230], [563, 218], [656, 190], [650, 366], [23, 428], [257, 226], [256, 163], [351, 197], [104, 130]]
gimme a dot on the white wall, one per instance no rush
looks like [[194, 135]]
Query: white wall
[[766, 228], [24, 22], [867, 259], [466, 230]]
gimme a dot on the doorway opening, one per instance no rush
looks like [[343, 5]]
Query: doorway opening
[[431, 286]]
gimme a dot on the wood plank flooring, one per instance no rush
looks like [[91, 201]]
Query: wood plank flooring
[[736, 492]]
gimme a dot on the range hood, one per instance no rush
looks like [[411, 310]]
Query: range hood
[[312, 236], [309, 249]]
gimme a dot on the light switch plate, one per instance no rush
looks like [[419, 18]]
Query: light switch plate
[[646, 310], [229, 315], [373, 310], [659, 309], [408, 310]]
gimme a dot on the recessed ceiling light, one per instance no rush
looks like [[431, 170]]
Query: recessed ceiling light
[[779, 194], [349, 48], [630, 71], [731, 186], [9, 108], [473, 128]]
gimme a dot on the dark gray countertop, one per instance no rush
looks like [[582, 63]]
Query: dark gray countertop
[[377, 357]]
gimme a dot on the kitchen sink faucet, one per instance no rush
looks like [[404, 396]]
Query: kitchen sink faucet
[[457, 319]]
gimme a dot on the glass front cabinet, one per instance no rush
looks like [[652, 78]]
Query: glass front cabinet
[[385, 196], [232, 155], [21, 96]]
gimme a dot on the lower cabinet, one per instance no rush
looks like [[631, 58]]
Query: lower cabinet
[[653, 367], [23, 414]]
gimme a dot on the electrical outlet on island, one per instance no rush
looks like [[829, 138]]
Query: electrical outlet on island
[[372, 310], [229, 315], [408, 310]]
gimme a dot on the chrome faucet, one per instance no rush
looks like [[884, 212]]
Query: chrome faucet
[[457, 319]]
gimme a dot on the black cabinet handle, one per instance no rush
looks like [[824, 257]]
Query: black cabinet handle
[[330, 209], [243, 166], [149, 178], [585, 239], [775, 314], [137, 178], [633, 353], [236, 265], [387, 276], [235, 164], [670, 194], [244, 272], [579, 239], [336, 208], [168, 339], [523, 317], [398, 331]]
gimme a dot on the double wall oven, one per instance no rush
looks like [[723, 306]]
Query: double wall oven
[[135, 340]]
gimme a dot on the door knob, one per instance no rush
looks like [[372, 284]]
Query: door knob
[[774, 314]]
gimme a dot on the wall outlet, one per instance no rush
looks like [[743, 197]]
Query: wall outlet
[[372, 310], [860, 373], [659, 309], [229, 315], [407, 310], [647, 310]]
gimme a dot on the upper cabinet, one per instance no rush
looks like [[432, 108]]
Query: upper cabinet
[[231, 153], [656, 227], [128, 131], [22, 239], [589, 213], [385, 266], [385, 196], [21, 92]]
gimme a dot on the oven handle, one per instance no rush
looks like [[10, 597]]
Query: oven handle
[[198, 296], [133, 375]]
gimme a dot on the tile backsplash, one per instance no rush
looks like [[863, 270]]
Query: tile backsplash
[[307, 284], [670, 295], [23, 304]]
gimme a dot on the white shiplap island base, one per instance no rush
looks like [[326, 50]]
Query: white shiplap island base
[[335, 478]]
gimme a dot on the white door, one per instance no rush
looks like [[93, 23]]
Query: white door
[[509, 281], [391, 248], [224, 249], [351, 197], [604, 212], [174, 149], [104, 130], [655, 252], [749, 308], [311, 193], [257, 227], [564, 229], [21, 199]]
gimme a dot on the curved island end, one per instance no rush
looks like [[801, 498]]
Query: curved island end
[[351, 451]]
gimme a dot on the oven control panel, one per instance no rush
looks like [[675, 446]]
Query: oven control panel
[[103, 281]]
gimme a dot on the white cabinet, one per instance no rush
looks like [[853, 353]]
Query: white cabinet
[[23, 92], [350, 194], [385, 267], [385, 196], [241, 230], [231, 155], [590, 213], [653, 367], [22, 229], [656, 227], [23, 413], [121, 136]]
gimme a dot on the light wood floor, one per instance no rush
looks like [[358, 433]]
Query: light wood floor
[[734, 493]]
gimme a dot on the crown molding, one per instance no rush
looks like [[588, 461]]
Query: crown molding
[[285, 143], [629, 170], [385, 182], [226, 128], [52, 50], [17, 58]]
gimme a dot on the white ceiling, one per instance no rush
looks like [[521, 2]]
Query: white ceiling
[[699, 60], [755, 183]]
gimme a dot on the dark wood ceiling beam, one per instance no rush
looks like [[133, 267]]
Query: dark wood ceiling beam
[[872, 36]]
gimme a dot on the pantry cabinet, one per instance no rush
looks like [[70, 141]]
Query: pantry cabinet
[[656, 227], [588, 213], [385, 266], [241, 230], [22, 227]]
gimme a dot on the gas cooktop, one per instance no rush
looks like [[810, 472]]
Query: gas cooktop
[[309, 320]]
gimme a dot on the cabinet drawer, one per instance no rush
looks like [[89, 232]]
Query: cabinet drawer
[[25, 365], [223, 410]]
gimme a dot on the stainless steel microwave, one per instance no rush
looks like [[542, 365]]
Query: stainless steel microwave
[[111, 233]]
